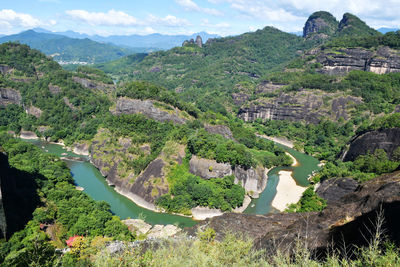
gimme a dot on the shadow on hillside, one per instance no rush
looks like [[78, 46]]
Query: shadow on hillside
[[19, 196]]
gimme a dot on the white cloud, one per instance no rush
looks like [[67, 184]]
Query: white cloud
[[206, 23], [168, 20], [11, 19], [111, 18], [192, 6]]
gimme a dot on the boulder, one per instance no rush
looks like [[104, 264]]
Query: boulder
[[386, 139]]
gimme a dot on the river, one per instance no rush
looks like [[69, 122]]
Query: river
[[87, 176]]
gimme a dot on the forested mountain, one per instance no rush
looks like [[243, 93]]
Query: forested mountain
[[70, 50]]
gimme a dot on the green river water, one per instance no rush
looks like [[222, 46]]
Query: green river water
[[89, 177]]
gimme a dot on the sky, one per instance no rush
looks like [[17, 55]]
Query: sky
[[223, 17]]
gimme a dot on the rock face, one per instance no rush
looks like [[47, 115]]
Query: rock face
[[252, 180], [320, 25], [305, 105], [347, 220], [219, 129], [147, 108], [387, 139], [9, 96], [344, 60]]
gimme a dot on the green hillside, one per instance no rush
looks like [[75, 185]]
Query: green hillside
[[207, 75]]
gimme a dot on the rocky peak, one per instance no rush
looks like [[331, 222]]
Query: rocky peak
[[352, 25], [199, 41], [320, 25]]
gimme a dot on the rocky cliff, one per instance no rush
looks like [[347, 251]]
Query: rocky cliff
[[340, 61], [349, 220], [386, 139], [253, 180], [9, 96], [320, 25], [304, 105], [147, 108], [110, 158]]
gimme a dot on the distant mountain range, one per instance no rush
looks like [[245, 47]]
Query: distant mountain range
[[74, 48], [154, 41], [385, 30], [68, 50]]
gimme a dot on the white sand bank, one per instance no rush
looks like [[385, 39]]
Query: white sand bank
[[287, 191]]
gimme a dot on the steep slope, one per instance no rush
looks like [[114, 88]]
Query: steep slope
[[68, 50]]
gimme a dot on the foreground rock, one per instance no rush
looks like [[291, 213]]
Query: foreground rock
[[349, 220], [139, 226]]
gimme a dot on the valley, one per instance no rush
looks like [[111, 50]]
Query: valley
[[266, 147]]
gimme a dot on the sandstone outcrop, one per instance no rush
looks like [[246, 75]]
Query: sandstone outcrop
[[304, 105], [147, 108], [253, 180], [386, 139], [349, 220], [343, 60], [9, 96]]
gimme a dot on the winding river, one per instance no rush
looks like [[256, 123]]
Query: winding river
[[87, 176]]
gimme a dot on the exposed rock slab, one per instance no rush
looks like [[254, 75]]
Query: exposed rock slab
[[137, 225], [147, 108]]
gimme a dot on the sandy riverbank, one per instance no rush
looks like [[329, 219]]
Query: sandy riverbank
[[279, 140], [287, 191], [295, 162]]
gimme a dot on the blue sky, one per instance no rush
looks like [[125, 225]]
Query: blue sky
[[224, 17]]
